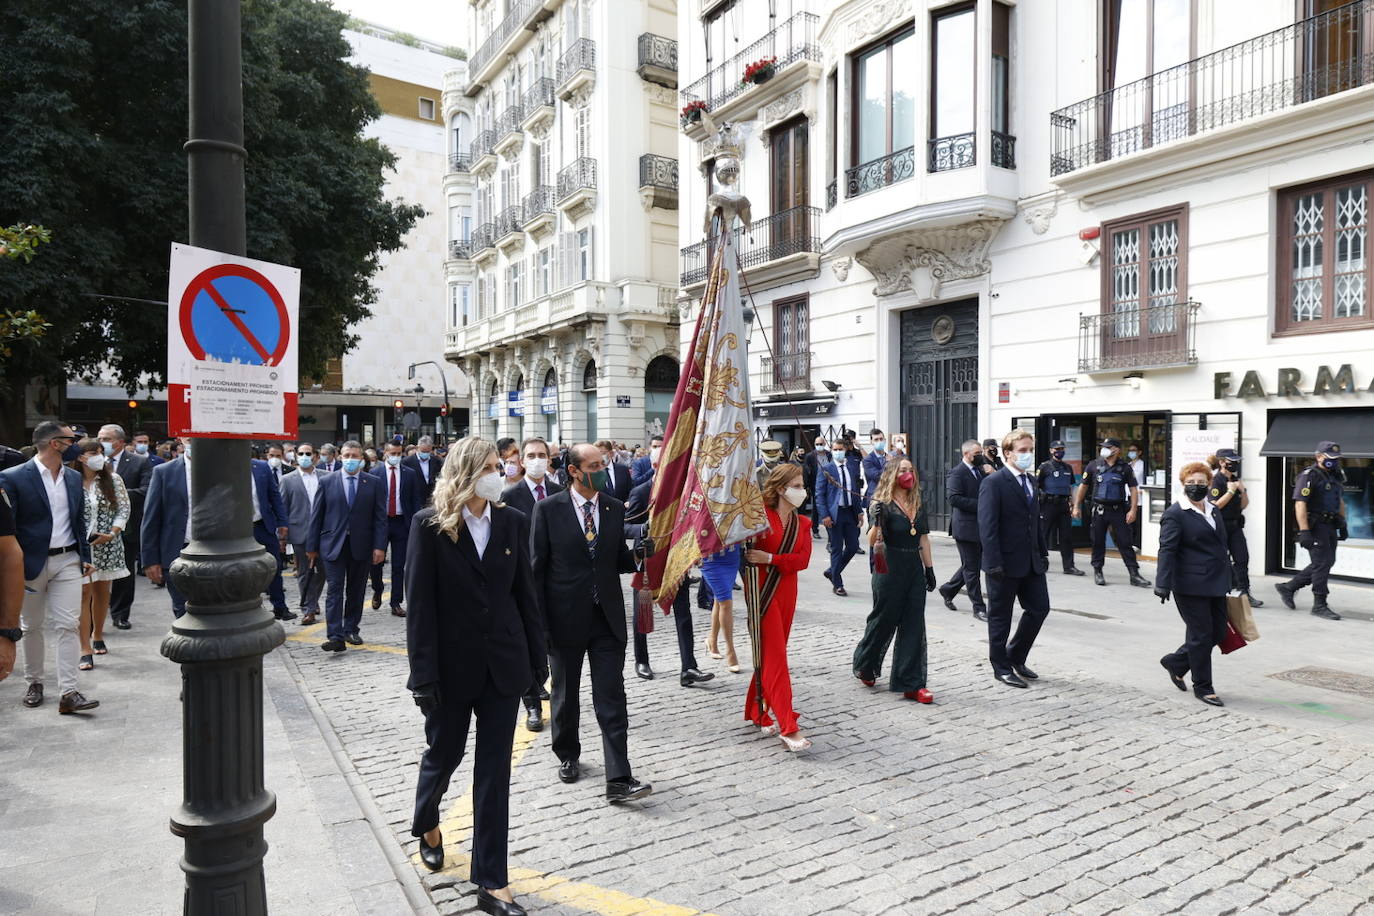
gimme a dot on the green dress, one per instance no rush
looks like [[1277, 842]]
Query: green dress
[[899, 605]]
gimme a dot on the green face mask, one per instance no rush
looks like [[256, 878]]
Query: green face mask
[[599, 480]]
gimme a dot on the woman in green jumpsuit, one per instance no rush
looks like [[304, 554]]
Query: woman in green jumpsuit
[[899, 537]]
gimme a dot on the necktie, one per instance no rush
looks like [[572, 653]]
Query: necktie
[[391, 498], [1025, 485], [589, 527], [539, 492], [352, 488], [844, 484]]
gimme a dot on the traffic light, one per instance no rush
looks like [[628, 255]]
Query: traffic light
[[398, 404], [443, 410], [133, 405]]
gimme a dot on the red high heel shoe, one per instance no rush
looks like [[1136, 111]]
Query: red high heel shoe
[[920, 696]]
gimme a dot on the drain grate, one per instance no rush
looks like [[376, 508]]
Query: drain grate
[[1331, 679]]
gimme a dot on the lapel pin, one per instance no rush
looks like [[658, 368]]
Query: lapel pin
[[507, 551]]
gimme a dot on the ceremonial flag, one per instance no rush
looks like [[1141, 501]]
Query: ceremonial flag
[[705, 496]]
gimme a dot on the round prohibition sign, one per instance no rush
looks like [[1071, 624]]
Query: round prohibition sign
[[232, 312]]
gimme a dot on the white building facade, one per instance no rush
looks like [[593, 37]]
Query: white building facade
[[562, 190]]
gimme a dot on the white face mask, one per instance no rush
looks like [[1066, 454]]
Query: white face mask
[[653, 455], [536, 467], [1106, 453], [95, 462], [489, 486], [795, 495], [512, 468], [274, 463]]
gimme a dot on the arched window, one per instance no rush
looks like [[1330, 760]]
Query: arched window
[[589, 376], [661, 374], [589, 398], [660, 383]]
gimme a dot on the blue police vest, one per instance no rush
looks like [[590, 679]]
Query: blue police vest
[[1110, 483], [1325, 491], [1056, 479]]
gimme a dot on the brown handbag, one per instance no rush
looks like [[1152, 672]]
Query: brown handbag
[[1240, 615]]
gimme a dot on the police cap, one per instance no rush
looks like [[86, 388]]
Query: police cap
[[771, 448], [1329, 448], [1228, 454], [1056, 444], [1111, 443]]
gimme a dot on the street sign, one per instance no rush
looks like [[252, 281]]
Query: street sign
[[231, 346]]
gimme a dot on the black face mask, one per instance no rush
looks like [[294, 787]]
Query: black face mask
[[979, 461], [1195, 491], [1058, 454], [1232, 468]]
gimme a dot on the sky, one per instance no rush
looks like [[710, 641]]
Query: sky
[[440, 21]]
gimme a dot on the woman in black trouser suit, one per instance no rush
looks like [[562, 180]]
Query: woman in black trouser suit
[[1194, 565], [474, 634]]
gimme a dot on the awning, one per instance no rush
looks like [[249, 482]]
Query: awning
[[800, 409], [1295, 433]]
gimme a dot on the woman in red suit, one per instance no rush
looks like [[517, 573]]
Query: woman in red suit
[[779, 554]]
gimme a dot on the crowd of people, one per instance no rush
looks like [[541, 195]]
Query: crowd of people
[[507, 561]]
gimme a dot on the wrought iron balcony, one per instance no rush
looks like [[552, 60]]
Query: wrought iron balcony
[[481, 146], [1152, 337], [539, 95], [459, 162], [460, 249], [890, 169], [508, 222], [508, 123], [483, 237], [793, 40], [787, 373], [576, 66], [1308, 60], [831, 194], [520, 13], [537, 203], [785, 233], [1003, 150], [949, 153], [657, 172], [578, 175], [658, 60]]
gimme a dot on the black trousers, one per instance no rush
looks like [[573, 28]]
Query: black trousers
[[1034, 594], [682, 620], [397, 538], [1321, 557], [1056, 516], [605, 656], [1204, 621], [446, 732], [122, 590], [1114, 518], [966, 576], [1240, 557]]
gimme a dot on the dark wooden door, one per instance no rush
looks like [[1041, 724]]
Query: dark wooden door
[[790, 178]]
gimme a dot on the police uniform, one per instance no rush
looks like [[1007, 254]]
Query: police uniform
[[1321, 489], [1233, 518], [1054, 481], [1109, 489]]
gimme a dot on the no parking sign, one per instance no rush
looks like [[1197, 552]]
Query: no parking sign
[[231, 346]]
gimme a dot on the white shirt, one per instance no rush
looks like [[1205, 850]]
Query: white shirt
[[479, 526], [1205, 513], [62, 534], [1138, 469], [311, 481], [578, 500], [423, 458], [257, 510], [543, 482], [187, 458]]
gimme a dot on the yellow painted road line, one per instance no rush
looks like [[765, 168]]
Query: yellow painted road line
[[311, 634]]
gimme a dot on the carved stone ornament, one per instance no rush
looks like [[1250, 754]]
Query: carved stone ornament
[[841, 268], [635, 334], [1038, 217], [877, 17], [779, 110], [582, 96], [942, 330], [922, 259], [540, 131], [662, 95]]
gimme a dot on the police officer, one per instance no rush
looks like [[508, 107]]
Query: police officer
[[992, 450], [1320, 510], [1055, 481], [772, 458], [1229, 495], [1113, 487]]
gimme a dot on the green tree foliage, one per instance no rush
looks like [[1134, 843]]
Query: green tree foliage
[[93, 126]]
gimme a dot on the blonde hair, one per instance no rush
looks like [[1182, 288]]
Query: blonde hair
[[777, 482], [882, 493], [457, 483], [1010, 439]]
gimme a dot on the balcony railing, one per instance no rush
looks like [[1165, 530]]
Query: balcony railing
[[537, 203], [793, 40], [581, 56], [509, 122], [481, 145], [538, 95], [949, 153], [788, 373], [870, 176], [520, 12], [1308, 60], [1159, 335], [657, 172], [459, 162], [460, 249], [658, 59], [578, 175], [508, 222], [483, 237], [785, 233], [1003, 150]]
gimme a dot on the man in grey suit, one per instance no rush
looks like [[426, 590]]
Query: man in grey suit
[[137, 473], [166, 527], [298, 491]]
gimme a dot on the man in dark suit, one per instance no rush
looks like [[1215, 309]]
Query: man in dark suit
[[404, 497], [347, 533], [578, 552], [874, 461], [49, 521], [535, 487], [426, 464], [1015, 559], [618, 480], [329, 459], [137, 473], [839, 493], [298, 492], [166, 526], [269, 529], [961, 486], [811, 465]]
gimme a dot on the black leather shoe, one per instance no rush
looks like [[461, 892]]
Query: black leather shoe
[[859, 552], [1211, 699], [692, 676], [623, 790], [432, 856], [544, 694], [839, 590], [1254, 602], [1325, 612], [826, 573], [354, 639], [643, 670], [569, 771], [981, 615], [376, 600], [1098, 577], [1286, 595], [284, 614], [1140, 581], [1176, 678], [1074, 571], [122, 624], [534, 719], [1025, 672], [333, 645], [1011, 680], [33, 696], [488, 902], [947, 598]]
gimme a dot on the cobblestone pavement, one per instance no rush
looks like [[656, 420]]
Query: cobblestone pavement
[[1083, 794]]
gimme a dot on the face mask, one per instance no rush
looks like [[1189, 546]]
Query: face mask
[[1132, 455], [979, 461], [141, 448], [274, 463], [352, 465], [489, 487], [290, 457], [536, 467], [906, 480], [424, 455], [108, 447], [1195, 491], [186, 450], [95, 462], [1232, 467], [1106, 453], [1024, 460], [1331, 463], [306, 462], [795, 495], [1058, 454], [653, 455], [597, 480], [393, 460], [512, 468], [879, 445]]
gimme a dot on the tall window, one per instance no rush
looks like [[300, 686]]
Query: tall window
[[1003, 144], [515, 281], [584, 253], [1324, 277], [1144, 272], [482, 311], [1141, 38], [583, 138], [543, 271], [791, 179], [791, 340], [953, 59], [832, 140], [459, 303], [883, 102]]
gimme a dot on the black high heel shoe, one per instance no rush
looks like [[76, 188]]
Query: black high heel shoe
[[488, 902], [432, 856]]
